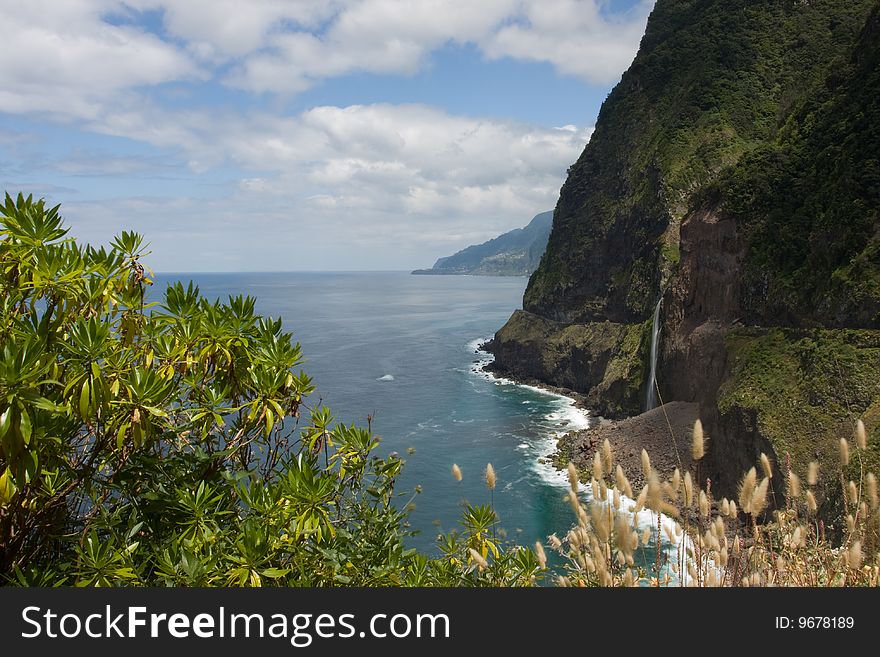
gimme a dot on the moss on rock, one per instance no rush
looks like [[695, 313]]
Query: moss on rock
[[806, 389]]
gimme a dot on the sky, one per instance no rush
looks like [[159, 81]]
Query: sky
[[292, 135]]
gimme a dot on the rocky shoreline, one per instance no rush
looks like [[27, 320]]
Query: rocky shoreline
[[580, 400], [664, 432]]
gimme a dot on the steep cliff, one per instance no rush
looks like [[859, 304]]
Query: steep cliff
[[734, 173]]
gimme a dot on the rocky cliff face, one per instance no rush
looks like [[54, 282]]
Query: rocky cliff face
[[734, 172]]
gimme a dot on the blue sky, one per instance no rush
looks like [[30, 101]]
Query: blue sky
[[304, 135]]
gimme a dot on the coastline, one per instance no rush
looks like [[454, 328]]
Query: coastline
[[579, 399], [579, 445], [655, 431]]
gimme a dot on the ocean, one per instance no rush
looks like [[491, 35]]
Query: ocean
[[403, 349]]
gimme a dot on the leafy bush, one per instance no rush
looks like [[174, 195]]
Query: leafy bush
[[171, 443]]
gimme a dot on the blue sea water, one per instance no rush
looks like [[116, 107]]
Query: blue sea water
[[402, 348]]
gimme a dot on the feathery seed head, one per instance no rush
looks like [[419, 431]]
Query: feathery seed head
[[622, 482], [813, 473], [478, 559], [589, 564], [601, 522], [811, 502], [597, 466], [704, 505], [602, 492], [871, 485], [573, 500], [607, 457], [844, 452], [646, 463], [573, 478], [539, 552], [698, 447], [655, 492], [456, 472], [853, 493], [640, 501], [759, 499], [622, 535], [747, 490], [794, 485], [490, 477], [765, 465], [855, 555], [688, 489], [861, 435]]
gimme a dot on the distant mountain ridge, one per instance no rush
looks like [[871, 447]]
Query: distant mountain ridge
[[515, 253]]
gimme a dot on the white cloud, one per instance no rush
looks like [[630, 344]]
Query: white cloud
[[404, 182], [574, 36], [395, 36], [61, 58], [408, 181], [90, 51]]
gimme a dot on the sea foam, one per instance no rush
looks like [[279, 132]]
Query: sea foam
[[565, 417]]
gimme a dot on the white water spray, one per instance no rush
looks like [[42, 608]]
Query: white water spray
[[651, 395]]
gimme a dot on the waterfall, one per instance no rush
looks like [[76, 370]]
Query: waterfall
[[651, 395]]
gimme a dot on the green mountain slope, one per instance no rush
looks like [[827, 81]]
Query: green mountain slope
[[734, 174], [515, 253]]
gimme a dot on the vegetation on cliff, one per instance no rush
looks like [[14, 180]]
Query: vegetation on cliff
[[515, 253], [807, 204], [712, 81], [734, 171]]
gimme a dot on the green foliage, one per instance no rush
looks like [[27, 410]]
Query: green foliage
[[713, 81], [807, 204], [805, 389], [171, 443]]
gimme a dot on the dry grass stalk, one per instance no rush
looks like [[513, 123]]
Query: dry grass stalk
[[747, 490], [542, 556], [861, 435], [811, 502], [794, 485], [698, 446], [573, 479], [607, 457], [646, 463], [765, 466], [478, 559], [490, 477]]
